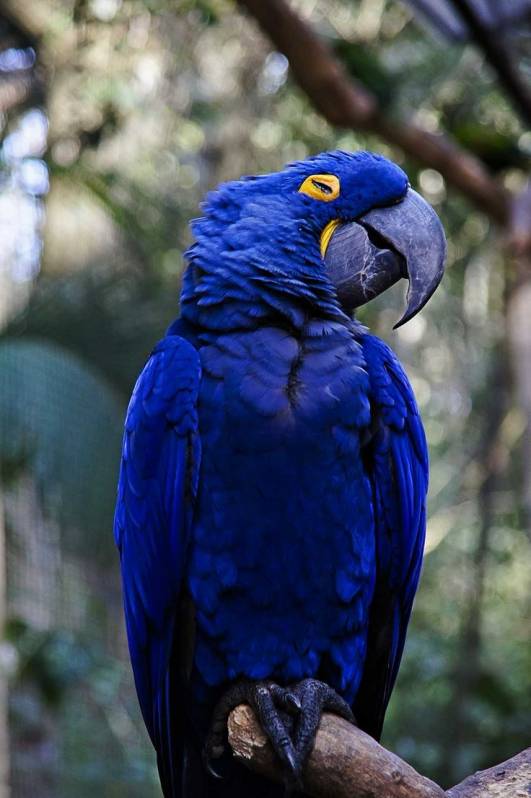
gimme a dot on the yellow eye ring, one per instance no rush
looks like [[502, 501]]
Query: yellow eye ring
[[322, 187]]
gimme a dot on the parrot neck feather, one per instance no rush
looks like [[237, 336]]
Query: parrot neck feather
[[255, 262]]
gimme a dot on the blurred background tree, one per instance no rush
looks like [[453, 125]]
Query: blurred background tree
[[116, 116]]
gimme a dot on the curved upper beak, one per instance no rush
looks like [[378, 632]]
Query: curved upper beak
[[365, 257]]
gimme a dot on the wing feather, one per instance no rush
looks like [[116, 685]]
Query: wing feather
[[397, 464], [156, 490]]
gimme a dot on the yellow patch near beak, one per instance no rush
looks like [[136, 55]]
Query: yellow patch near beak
[[327, 234]]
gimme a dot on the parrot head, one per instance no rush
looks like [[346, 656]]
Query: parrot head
[[336, 229]]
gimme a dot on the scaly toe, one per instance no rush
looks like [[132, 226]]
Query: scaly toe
[[315, 697], [277, 709]]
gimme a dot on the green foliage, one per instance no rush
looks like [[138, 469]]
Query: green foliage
[[51, 661], [65, 682], [61, 422], [89, 315], [363, 64], [495, 148]]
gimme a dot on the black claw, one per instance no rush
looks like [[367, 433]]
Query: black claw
[[286, 700], [213, 772], [207, 762], [292, 761], [293, 702], [289, 717]]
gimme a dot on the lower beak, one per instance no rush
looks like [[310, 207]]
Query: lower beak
[[365, 257]]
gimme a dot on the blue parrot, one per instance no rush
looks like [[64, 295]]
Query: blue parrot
[[271, 513]]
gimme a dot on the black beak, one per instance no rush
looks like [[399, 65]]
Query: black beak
[[366, 257]]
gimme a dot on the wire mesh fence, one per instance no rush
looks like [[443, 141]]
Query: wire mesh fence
[[71, 723]]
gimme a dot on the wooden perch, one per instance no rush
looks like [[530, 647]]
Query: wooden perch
[[347, 763]]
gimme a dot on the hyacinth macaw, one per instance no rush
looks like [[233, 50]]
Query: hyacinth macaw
[[271, 502]]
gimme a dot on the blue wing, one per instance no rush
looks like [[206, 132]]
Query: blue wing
[[397, 464], [156, 491]]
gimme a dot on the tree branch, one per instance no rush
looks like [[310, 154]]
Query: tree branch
[[347, 103], [347, 763], [496, 53], [510, 779]]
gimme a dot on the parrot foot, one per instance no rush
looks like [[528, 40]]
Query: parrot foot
[[274, 706], [315, 697], [289, 716]]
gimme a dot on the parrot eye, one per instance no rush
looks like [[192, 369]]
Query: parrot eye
[[321, 187]]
